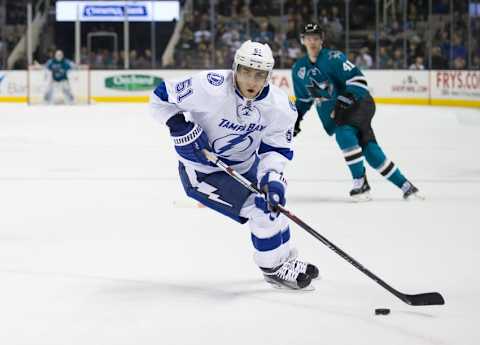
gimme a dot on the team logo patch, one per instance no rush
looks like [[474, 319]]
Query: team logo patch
[[301, 72], [334, 54], [232, 144], [248, 112], [289, 135], [215, 79]]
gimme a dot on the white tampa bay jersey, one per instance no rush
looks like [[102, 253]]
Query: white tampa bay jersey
[[238, 129]]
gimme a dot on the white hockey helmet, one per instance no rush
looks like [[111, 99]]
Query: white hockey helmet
[[254, 55]]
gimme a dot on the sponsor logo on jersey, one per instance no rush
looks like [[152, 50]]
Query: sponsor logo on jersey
[[132, 82], [215, 79], [301, 72], [232, 143]]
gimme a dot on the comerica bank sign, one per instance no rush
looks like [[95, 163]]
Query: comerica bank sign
[[117, 11]]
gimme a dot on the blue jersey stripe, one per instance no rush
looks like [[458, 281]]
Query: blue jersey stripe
[[286, 152]]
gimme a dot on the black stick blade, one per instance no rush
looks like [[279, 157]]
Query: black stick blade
[[430, 298]]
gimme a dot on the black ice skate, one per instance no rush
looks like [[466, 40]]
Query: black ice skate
[[411, 192], [302, 266], [361, 189], [287, 276]]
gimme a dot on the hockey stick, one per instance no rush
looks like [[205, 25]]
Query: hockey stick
[[429, 298]]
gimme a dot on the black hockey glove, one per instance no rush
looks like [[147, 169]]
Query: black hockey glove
[[345, 102], [189, 139], [343, 106], [318, 90]]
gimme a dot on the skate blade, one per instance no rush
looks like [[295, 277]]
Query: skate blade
[[364, 197], [285, 288], [309, 288], [416, 196]]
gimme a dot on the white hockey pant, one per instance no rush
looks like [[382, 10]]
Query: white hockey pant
[[270, 237]]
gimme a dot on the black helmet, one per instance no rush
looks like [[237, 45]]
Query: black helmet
[[310, 29]]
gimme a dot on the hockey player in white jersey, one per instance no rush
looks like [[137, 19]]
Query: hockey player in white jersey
[[248, 123]]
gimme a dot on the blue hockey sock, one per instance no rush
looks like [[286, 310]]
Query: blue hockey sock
[[377, 159], [347, 140]]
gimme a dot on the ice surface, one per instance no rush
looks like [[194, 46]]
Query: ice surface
[[99, 245]]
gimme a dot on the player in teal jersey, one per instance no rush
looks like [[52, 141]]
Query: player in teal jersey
[[346, 108], [59, 68]]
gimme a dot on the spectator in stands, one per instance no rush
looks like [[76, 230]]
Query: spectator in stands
[[138, 61], [265, 33], [323, 17], [203, 34], [418, 64], [277, 50], [384, 58], [459, 50], [476, 62], [441, 7], [261, 8], [352, 56], [445, 43], [413, 50], [438, 60], [459, 63], [397, 59], [395, 35], [294, 51], [335, 25], [364, 59]]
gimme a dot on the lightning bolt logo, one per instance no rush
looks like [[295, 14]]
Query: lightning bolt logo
[[209, 191], [232, 142]]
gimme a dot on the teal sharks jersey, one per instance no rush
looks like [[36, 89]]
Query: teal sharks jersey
[[59, 69], [321, 82]]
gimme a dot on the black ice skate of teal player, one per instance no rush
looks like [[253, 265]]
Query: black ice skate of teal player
[[59, 67], [248, 123], [346, 108]]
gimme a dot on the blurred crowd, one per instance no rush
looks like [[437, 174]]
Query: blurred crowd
[[13, 15], [212, 32], [210, 41]]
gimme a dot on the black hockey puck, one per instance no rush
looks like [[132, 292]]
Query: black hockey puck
[[382, 311]]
